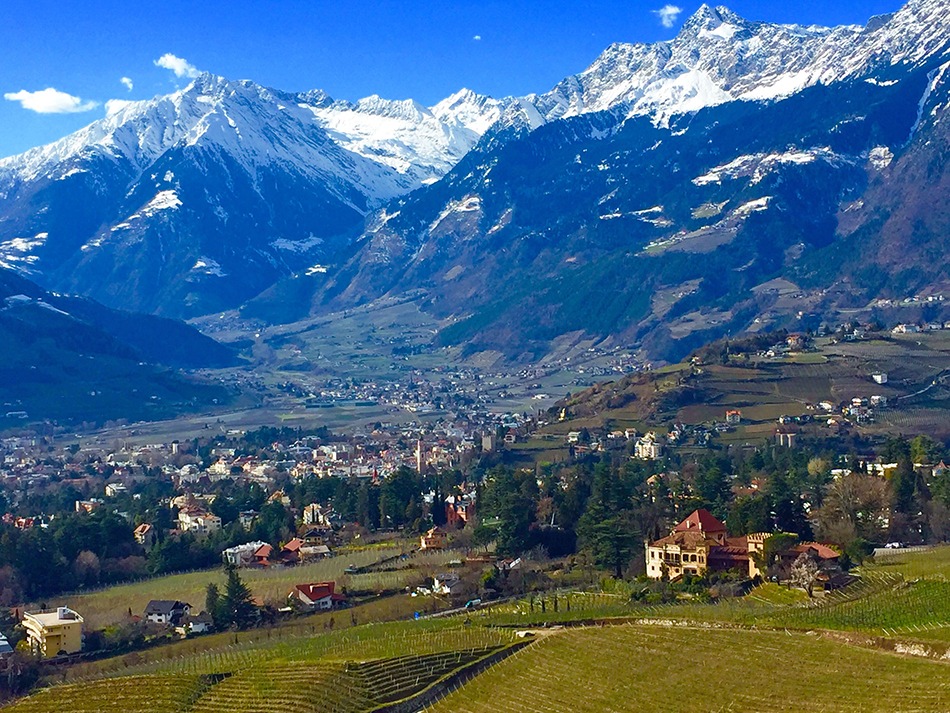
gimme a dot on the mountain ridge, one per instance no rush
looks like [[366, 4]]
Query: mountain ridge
[[231, 189]]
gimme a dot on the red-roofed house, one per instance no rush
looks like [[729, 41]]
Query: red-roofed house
[[703, 521], [700, 543], [434, 539], [262, 555], [290, 553], [317, 596]]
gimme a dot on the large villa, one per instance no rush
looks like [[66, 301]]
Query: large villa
[[700, 543]]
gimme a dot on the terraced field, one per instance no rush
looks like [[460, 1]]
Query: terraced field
[[347, 672], [156, 694], [888, 601], [773, 650], [629, 668], [343, 687], [928, 564]]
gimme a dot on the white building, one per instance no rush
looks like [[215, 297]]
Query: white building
[[198, 521], [114, 490], [241, 555], [648, 447]]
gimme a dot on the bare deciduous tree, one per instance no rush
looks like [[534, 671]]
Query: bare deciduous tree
[[804, 572], [857, 503]]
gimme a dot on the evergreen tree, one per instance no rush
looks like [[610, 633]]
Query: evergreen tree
[[787, 510], [513, 501], [608, 528], [213, 603], [437, 511], [237, 607], [367, 506]]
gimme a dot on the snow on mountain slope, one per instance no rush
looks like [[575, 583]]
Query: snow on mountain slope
[[418, 142], [296, 170], [719, 57], [263, 183], [253, 125]]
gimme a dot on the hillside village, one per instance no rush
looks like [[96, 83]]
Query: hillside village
[[464, 510]]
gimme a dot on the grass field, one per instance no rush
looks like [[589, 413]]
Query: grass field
[[665, 669], [111, 605]]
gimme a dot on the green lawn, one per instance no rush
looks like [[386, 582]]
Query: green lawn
[[111, 605]]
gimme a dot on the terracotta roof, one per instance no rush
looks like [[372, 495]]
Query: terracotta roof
[[264, 550], [685, 539], [823, 551], [728, 552], [702, 520], [294, 545]]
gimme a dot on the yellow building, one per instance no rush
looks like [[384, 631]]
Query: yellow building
[[49, 633], [700, 543]]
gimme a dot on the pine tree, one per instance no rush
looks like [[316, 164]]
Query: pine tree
[[237, 606], [213, 604], [608, 527]]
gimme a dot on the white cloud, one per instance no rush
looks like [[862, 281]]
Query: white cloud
[[668, 14], [477, 38], [181, 67], [50, 101], [126, 82]]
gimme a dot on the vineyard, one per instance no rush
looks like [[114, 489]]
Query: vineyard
[[156, 694], [351, 671], [626, 668], [760, 652], [349, 686], [905, 595]]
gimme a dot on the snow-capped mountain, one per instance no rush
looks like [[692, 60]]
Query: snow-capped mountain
[[719, 57], [740, 176], [199, 200], [417, 142], [221, 182]]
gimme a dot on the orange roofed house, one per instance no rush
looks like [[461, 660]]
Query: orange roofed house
[[700, 543]]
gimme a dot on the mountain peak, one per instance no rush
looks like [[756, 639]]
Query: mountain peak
[[405, 109], [207, 83], [718, 21]]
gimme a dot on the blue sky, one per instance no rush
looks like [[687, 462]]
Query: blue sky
[[423, 49]]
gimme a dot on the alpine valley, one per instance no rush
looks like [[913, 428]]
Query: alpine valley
[[743, 176]]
